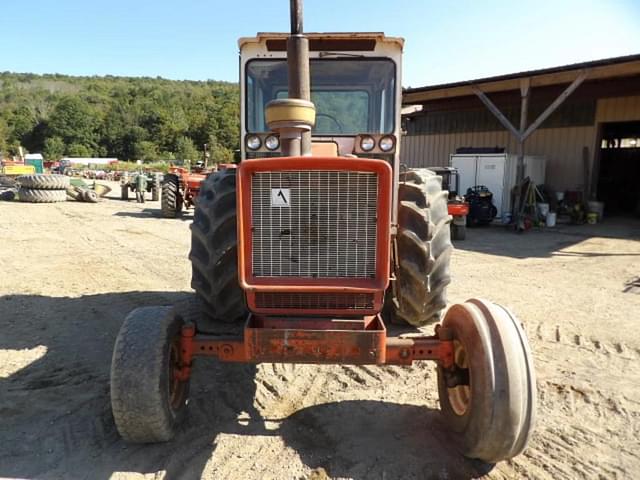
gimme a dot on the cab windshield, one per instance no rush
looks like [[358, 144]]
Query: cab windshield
[[351, 95]]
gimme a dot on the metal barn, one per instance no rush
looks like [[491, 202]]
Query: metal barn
[[584, 118]]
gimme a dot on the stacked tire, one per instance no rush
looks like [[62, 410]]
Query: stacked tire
[[43, 188]]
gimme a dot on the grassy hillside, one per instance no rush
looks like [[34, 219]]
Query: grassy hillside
[[127, 118]]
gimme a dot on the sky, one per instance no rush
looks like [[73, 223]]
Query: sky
[[197, 39]]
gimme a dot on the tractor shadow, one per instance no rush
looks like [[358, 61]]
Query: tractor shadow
[[55, 412], [376, 439], [55, 356], [560, 241], [154, 213]]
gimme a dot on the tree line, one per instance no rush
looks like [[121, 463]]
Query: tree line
[[147, 119]]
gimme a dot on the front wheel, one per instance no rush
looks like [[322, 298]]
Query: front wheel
[[147, 399], [488, 399], [90, 196]]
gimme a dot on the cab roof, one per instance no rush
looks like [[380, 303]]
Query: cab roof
[[339, 41]]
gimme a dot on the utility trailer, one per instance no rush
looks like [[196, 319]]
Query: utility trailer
[[316, 243]]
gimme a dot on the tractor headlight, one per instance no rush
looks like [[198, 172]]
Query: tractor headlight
[[387, 143], [272, 142], [253, 142], [367, 143]]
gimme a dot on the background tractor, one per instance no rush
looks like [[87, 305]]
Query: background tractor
[[180, 189], [315, 243], [149, 183]]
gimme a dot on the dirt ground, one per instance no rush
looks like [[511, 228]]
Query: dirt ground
[[72, 271]]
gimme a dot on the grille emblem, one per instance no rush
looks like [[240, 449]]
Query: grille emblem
[[280, 197]]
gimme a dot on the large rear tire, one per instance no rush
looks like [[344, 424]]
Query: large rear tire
[[171, 201], [491, 409], [424, 249], [41, 196], [214, 250], [44, 181], [156, 188], [147, 400]]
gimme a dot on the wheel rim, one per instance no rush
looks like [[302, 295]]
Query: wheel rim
[[460, 396], [176, 386]]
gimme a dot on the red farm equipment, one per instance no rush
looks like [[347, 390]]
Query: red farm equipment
[[457, 206], [180, 189], [316, 242]]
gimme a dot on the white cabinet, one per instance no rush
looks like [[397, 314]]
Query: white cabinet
[[497, 172]]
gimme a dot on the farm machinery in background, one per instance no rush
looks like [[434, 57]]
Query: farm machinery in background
[[473, 208], [482, 211], [315, 243], [140, 183], [181, 187], [457, 205]]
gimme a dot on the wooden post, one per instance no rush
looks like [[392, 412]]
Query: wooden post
[[525, 85]]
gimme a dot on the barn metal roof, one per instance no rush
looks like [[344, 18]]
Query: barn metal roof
[[598, 69]]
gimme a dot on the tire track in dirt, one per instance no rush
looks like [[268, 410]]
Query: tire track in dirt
[[585, 388]]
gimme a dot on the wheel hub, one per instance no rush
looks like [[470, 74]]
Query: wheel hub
[[176, 385], [460, 394]]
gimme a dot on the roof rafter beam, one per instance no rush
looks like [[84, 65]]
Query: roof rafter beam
[[496, 111], [522, 134], [555, 104]]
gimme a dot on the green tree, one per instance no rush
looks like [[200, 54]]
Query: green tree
[[75, 122], [219, 153], [145, 151], [127, 118], [54, 148], [186, 150], [4, 137], [22, 121], [78, 150]]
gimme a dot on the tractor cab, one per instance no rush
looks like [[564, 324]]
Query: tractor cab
[[355, 87]]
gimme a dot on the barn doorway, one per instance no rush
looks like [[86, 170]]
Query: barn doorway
[[619, 177]]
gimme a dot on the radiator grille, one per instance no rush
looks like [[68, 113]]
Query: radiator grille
[[328, 229], [316, 301]]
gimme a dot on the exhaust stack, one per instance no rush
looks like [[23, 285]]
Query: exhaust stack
[[293, 118]]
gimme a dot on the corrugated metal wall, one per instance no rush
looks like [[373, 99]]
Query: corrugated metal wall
[[619, 109], [562, 146]]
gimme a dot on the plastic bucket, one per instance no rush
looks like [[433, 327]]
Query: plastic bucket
[[597, 208], [592, 218], [551, 219], [543, 209]]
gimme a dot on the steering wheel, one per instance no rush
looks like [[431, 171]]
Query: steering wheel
[[333, 119]]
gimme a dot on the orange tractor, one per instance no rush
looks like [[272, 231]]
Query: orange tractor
[[180, 188], [315, 243]]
